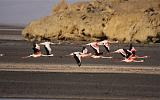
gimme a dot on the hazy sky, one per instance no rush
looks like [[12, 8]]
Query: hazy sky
[[21, 12]]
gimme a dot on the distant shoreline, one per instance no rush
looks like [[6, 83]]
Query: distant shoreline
[[8, 32], [3, 26]]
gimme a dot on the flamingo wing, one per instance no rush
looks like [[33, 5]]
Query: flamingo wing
[[95, 48], [77, 58]]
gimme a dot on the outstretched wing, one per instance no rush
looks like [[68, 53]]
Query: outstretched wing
[[107, 48], [105, 43], [48, 50], [47, 47], [95, 48], [121, 51], [128, 53], [77, 58]]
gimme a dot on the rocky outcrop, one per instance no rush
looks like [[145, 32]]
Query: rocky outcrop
[[124, 20]]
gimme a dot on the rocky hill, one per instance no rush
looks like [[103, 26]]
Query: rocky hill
[[123, 20]]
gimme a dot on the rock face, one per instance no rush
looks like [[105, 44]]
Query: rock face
[[123, 20]]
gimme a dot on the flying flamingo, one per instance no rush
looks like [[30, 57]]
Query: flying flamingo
[[106, 44], [130, 56], [77, 57], [85, 52], [36, 51], [133, 50], [95, 47], [127, 55], [48, 48]]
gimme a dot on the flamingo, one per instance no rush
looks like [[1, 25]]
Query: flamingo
[[77, 57], [48, 48], [95, 47], [124, 52], [128, 55], [106, 44], [133, 50], [36, 51], [85, 53]]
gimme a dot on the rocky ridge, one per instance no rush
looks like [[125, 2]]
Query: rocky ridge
[[127, 21]]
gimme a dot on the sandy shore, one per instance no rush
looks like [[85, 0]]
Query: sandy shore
[[82, 69]]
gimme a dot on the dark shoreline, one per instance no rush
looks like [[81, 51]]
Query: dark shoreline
[[11, 26]]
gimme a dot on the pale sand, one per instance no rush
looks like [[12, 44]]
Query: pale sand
[[82, 69]]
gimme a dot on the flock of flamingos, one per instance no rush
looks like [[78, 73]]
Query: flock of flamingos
[[128, 55]]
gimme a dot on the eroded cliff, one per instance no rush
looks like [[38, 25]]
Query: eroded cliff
[[123, 20]]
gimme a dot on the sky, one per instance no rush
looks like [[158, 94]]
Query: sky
[[22, 12]]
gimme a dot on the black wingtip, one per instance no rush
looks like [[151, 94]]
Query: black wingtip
[[83, 48], [79, 65], [98, 54], [130, 47]]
